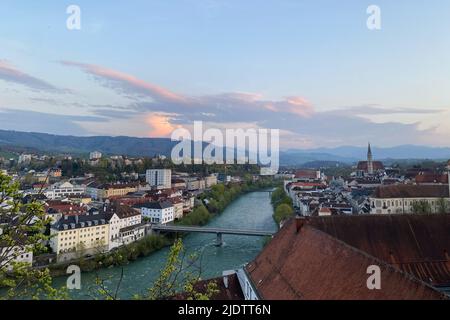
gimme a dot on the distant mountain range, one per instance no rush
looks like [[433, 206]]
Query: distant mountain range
[[71, 144], [398, 152], [132, 146], [301, 157], [350, 154]]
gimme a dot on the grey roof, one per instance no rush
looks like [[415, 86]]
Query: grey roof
[[81, 221], [155, 205]]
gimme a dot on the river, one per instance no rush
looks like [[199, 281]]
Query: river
[[250, 211]]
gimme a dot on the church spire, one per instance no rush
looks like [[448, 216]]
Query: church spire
[[369, 160]]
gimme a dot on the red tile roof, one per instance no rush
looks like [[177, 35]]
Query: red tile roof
[[122, 211], [377, 165], [306, 174], [306, 184], [431, 178], [316, 264], [412, 191], [416, 243], [232, 291]]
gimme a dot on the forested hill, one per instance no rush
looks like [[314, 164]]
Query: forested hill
[[130, 146]]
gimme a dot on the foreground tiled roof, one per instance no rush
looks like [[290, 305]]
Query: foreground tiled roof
[[316, 264], [412, 191], [416, 243]]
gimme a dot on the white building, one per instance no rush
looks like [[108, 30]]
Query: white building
[[9, 255], [24, 158], [193, 184], [178, 206], [63, 190], [210, 180], [95, 155], [124, 226], [15, 254], [158, 212], [402, 198], [73, 236], [159, 178]]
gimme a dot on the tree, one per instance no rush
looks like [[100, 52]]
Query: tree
[[279, 196], [21, 230], [169, 284], [199, 216], [282, 212], [180, 276], [421, 206], [442, 206]]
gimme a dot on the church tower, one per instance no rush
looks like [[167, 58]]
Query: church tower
[[448, 176], [369, 161]]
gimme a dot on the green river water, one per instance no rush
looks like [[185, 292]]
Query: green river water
[[250, 211]]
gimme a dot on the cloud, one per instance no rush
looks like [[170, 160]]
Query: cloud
[[379, 110], [160, 125], [333, 128], [221, 107], [301, 124], [126, 83], [113, 112], [30, 121], [9, 73]]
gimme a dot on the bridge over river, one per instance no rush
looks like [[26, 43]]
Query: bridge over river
[[218, 231]]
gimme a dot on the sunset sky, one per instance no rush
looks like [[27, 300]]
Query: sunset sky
[[309, 68]]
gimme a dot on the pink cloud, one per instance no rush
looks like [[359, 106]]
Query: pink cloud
[[226, 101], [152, 90], [168, 107], [10, 73], [295, 105], [160, 125]]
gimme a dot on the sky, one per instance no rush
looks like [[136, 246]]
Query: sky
[[312, 69]]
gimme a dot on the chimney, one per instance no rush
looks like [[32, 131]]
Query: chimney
[[225, 281], [300, 222], [225, 275], [392, 257]]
